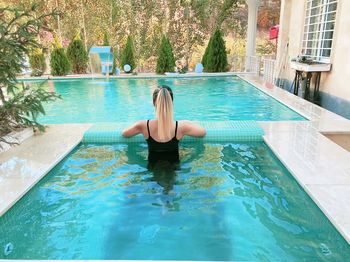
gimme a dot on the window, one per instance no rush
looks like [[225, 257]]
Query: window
[[319, 28]]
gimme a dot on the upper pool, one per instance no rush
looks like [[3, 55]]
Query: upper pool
[[120, 100]]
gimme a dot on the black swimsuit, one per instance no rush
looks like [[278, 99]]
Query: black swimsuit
[[167, 151]]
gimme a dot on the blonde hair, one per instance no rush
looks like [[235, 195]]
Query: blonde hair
[[163, 101]]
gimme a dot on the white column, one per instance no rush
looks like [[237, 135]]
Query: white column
[[253, 6]]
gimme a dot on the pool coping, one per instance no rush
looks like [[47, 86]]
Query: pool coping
[[281, 136], [130, 76]]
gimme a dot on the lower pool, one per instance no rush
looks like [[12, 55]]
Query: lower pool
[[225, 201]]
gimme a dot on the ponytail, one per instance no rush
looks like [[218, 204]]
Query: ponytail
[[163, 101]]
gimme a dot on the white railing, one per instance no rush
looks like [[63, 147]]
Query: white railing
[[260, 66], [269, 70], [253, 64]]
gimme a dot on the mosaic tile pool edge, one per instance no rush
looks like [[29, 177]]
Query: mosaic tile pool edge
[[220, 131]]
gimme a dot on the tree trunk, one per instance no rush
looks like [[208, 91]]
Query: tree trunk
[[58, 24], [84, 27], [2, 97]]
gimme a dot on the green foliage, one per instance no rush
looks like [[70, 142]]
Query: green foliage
[[23, 109], [266, 47], [19, 30], [190, 22], [226, 9], [206, 52], [60, 65], [115, 61], [128, 54], [166, 59], [37, 62], [105, 39], [216, 60], [170, 53], [186, 23], [236, 46], [236, 51], [77, 55]]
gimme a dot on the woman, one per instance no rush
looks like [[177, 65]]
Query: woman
[[163, 134]]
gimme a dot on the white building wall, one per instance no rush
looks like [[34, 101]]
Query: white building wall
[[337, 82], [335, 85]]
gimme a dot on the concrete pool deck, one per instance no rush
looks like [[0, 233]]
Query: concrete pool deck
[[320, 166], [323, 120]]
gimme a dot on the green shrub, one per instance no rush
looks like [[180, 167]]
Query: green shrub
[[37, 62], [128, 54], [206, 52], [77, 55], [216, 60], [166, 59], [20, 107], [170, 55], [60, 65]]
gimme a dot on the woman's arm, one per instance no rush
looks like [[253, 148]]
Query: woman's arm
[[133, 130], [191, 129]]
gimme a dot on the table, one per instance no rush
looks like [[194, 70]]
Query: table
[[303, 76]]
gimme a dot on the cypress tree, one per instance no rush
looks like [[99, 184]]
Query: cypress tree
[[128, 54], [37, 62], [206, 52], [77, 55], [170, 55], [59, 62], [216, 61], [166, 59]]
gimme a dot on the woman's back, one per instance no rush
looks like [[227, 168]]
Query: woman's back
[[163, 134], [161, 150]]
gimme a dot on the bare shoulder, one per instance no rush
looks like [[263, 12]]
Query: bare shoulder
[[141, 123], [191, 128], [136, 128], [187, 123], [182, 122]]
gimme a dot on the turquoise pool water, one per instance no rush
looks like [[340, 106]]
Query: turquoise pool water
[[124, 100], [232, 201]]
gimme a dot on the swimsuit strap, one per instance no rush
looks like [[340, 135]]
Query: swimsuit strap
[[149, 134], [175, 129]]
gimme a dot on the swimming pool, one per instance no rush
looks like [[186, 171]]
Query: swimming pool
[[124, 100], [226, 201]]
